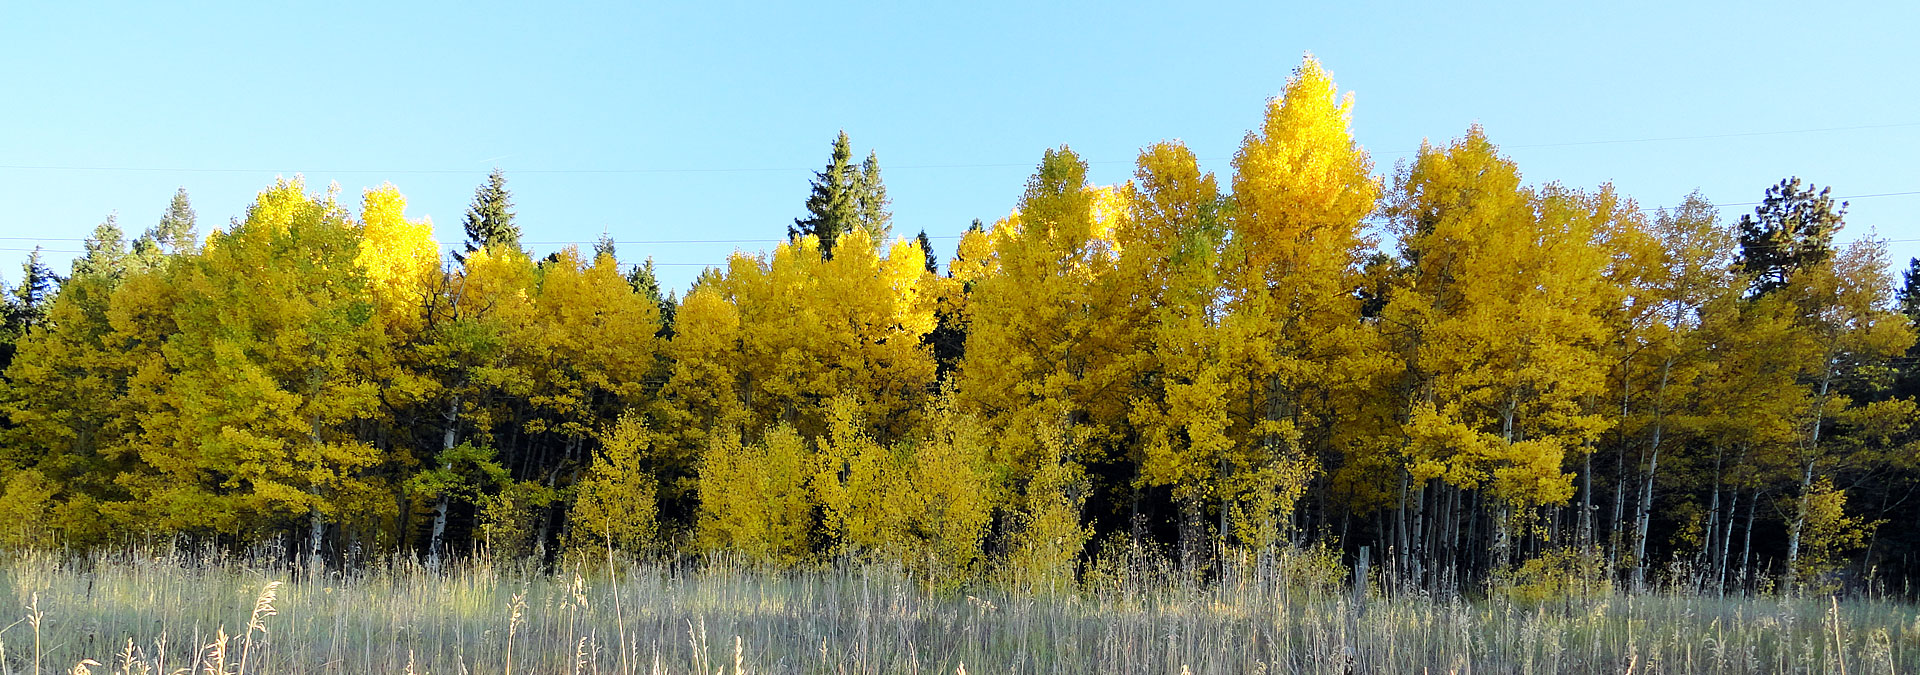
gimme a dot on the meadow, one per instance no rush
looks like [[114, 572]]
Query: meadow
[[184, 613]]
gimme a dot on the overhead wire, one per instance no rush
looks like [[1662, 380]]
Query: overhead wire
[[775, 240]]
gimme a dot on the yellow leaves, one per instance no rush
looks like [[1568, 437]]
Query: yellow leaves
[[861, 486], [1050, 536], [591, 330], [400, 255], [1829, 532], [1504, 315], [614, 504], [798, 329], [1302, 185], [753, 497]]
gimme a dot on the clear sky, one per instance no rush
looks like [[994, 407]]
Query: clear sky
[[702, 121]]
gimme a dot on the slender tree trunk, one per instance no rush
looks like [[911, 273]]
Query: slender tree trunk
[[1644, 512], [1746, 543], [1802, 506], [1805, 503], [1586, 497], [1405, 562], [316, 532], [1418, 546], [447, 437], [1726, 543], [1703, 560]]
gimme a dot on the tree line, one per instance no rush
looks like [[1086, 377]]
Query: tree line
[[1466, 374]]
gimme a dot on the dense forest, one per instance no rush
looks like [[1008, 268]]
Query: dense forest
[[1464, 374]]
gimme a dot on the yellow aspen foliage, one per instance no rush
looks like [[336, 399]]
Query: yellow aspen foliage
[[754, 500], [142, 319], [1049, 535], [62, 397], [1170, 249], [1305, 365], [953, 491], [1501, 325], [1663, 278], [589, 346], [1040, 343], [703, 393], [615, 503], [1842, 308], [861, 486], [1829, 532], [925, 502], [401, 257], [402, 263], [276, 325], [466, 369], [489, 307], [810, 328], [25, 520]]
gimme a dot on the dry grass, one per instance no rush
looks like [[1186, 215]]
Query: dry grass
[[169, 614]]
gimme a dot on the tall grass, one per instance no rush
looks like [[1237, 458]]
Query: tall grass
[[173, 613]]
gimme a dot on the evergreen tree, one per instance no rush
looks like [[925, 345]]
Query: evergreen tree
[[29, 303], [949, 337], [844, 197], [106, 252], [173, 234], [1910, 291], [646, 282], [604, 246], [872, 201], [926, 247], [1792, 229], [834, 205], [489, 220], [1907, 301]]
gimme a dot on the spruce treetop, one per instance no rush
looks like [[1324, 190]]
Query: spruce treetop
[[845, 196], [489, 219]]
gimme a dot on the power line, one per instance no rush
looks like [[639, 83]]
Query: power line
[[983, 165]]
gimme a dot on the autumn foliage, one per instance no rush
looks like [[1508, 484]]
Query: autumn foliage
[[1459, 370]]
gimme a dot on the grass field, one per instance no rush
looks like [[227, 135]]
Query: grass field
[[170, 614]]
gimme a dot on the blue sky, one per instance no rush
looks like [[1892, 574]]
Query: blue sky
[[702, 121]]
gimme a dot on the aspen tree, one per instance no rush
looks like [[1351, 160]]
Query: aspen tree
[[63, 396], [614, 503], [276, 327], [1669, 272], [1170, 247], [1301, 190], [468, 367], [1039, 345], [1501, 327], [1844, 307], [753, 496]]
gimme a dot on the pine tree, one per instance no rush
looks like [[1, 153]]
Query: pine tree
[[1907, 301], [1792, 229], [489, 220]]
